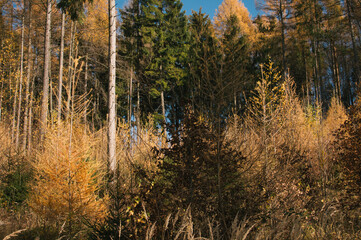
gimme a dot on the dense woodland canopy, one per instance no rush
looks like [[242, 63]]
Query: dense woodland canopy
[[147, 123]]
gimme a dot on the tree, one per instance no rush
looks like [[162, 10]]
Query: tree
[[112, 118], [218, 67], [264, 111], [132, 52], [45, 97], [68, 180], [164, 31], [279, 9], [61, 65], [189, 175], [235, 8]]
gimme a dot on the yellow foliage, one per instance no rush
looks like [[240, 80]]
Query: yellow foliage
[[336, 116], [236, 8], [95, 27], [68, 178]]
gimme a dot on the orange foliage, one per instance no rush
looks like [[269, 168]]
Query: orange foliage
[[67, 178]]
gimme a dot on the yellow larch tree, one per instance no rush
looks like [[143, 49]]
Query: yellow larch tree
[[95, 30], [68, 178], [236, 8]]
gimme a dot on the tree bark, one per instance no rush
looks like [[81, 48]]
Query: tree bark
[[61, 65], [30, 117], [20, 83], [138, 109], [14, 110], [45, 98], [283, 38], [27, 87], [163, 112], [72, 33], [86, 87], [130, 98], [112, 119], [354, 47]]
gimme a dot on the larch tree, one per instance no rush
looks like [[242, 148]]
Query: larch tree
[[279, 9], [235, 8]]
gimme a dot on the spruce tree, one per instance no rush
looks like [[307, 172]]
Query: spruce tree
[[164, 32]]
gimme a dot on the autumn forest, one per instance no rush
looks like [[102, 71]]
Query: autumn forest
[[144, 122]]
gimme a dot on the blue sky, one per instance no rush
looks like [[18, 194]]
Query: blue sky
[[208, 6]]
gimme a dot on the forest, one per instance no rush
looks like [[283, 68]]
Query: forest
[[144, 122]]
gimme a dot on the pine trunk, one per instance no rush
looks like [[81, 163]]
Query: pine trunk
[[27, 87], [354, 47], [30, 117], [20, 84], [13, 123], [138, 110], [61, 65], [45, 99], [86, 88], [130, 98], [163, 112], [72, 33], [283, 39]]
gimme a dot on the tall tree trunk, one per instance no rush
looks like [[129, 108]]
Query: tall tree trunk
[[356, 65], [51, 113], [45, 99], [61, 65], [130, 98], [28, 77], [112, 119], [20, 83], [14, 110], [163, 112], [138, 109], [1, 98], [86, 87], [30, 117], [283, 38], [72, 33]]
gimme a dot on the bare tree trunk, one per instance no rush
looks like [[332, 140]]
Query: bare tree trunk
[[72, 33], [112, 121], [61, 65], [130, 98], [283, 38], [20, 83], [27, 88], [30, 117], [1, 99], [14, 111], [163, 112], [86, 87], [51, 113], [138, 109], [354, 47], [45, 99]]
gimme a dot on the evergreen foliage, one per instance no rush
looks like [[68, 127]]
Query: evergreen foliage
[[199, 173]]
